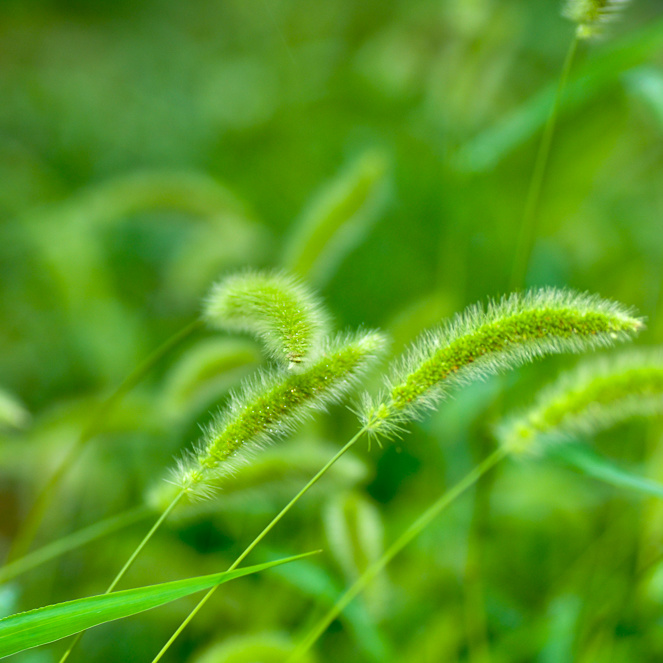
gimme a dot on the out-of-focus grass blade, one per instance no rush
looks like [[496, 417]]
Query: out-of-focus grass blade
[[265, 647], [316, 583], [337, 219], [71, 542], [646, 85], [12, 413], [598, 467], [207, 371], [488, 148], [355, 537], [43, 625]]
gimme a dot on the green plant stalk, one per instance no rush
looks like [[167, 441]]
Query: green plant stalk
[[129, 563], [476, 620], [28, 531], [527, 232], [73, 541], [403, 540], [260, 537]]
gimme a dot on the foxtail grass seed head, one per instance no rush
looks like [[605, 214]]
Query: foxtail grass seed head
[[485, 340], [591, 16], [597, 394], [276, 307], [271, 406]]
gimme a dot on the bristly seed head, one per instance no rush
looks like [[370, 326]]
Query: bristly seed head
[[482, 341], [592, 15], [274, 306], [599, 393], [271, 407]]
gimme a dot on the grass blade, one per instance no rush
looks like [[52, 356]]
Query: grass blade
[[598, 467], [488, 148], [43, 625]]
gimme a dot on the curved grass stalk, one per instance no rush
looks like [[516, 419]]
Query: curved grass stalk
[[269, 408], [527, 233], [260, 537], [72, 542], [474, 344], [598, 394], [423, 521], [28, 531]]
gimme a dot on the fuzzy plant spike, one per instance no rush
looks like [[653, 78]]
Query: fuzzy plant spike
[[592, 15], [274, 306], [269, 408], [485, 340], [596, 395]]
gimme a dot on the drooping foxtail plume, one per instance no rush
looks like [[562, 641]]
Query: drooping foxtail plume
[[276, 307], [599, 393], [270, 407], [485, 340]]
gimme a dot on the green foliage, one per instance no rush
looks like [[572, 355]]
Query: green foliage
[[596, 466], [44, 625], [264, 647], [12, 413], [206, 372], [381, 152], [337, 219], [355, 538]]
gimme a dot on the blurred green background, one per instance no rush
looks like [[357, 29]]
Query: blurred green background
[[148, 147]]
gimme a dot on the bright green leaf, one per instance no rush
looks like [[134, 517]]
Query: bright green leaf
[[53, 622]]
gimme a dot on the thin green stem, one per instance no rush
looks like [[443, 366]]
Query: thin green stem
[[406, 537], [259, 538], [28, 531], [129, 562], [528, 225], [73, 541]]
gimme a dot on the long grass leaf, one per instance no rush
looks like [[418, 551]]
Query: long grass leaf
[[598, 467], [54, 622], [490, 147]]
